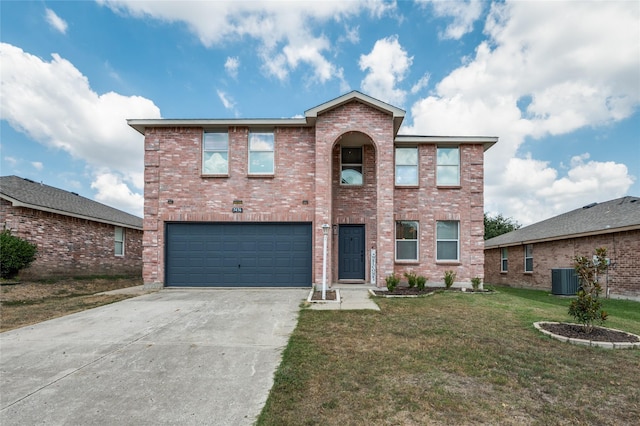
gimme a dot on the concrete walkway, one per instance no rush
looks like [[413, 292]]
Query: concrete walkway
[[352, 297], [188, 357]]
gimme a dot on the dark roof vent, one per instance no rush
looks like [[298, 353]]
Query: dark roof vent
[[588, 206], [75, 193]]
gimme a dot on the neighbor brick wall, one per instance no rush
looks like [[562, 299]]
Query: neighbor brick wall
[[69, 246], [429, 203], [623, 248]]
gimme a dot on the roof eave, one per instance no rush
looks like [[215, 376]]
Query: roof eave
[[486, 141], [17, 203], [140, 125]]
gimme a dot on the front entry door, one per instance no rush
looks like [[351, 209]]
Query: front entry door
[[351, 252]]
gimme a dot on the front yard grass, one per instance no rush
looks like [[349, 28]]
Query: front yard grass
[[35, 301], [454, 358]]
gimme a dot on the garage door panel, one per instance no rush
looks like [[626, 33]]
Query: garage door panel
[[238, 254]]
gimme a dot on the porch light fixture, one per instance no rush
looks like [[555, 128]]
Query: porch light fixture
[[325, 233]]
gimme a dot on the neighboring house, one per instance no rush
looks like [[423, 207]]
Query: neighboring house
[[525, 257], [75, 236], [241, 202]]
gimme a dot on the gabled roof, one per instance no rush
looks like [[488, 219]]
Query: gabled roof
[[621, 214], [395, 112], [27, 193], [309, 119]]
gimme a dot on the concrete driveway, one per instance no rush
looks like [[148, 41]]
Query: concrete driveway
[[172, 357]]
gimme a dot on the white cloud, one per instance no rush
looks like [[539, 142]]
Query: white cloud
[[55, 21], [113, 191], [37, 165], [421, 84], [576, 72], [11, 160], [285, 33], [226, 100], [464, 14], [231, 66], [387, 65], [53, 103]]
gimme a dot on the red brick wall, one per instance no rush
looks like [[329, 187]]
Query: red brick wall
[[69, 246], [623, 248], [428, 204]]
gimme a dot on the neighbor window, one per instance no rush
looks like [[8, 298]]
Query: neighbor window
[[504, 262], [528, 258], [448, 167], [406, 240], [215, 153], [407, 166], [261, 152], [351, 166], [119, 241], [447, 237]]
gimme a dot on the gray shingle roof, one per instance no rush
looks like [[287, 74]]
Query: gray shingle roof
[[38, 196], [610, 216]]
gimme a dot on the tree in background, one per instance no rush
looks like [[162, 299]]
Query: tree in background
[[498, 225]]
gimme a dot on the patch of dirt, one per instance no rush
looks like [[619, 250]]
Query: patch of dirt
[[329, 294], [37, 290], [406, 291], [598, 334]]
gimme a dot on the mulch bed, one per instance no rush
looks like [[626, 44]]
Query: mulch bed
[[599, 334], [406, 291], [330, 295]]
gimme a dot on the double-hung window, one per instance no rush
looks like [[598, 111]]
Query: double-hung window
[[351, 166], [447, 240], [504, 262], [406, 240], [407, 166], [528, 258], [448, 167], [215, 153], [261, 152], [119, 241]]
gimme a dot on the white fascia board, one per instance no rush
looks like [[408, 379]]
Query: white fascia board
[[18, 203], [141, 124], [486, 141]]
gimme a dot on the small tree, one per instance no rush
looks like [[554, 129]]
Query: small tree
[[15, 254], [587, 307]]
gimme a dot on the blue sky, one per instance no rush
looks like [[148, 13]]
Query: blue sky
[[558, 82]]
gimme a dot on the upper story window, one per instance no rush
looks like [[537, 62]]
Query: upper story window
[[448, 168], [351, 166], [406, 240], [528, 258], [447, 240], [407, 166], [504, 261], [215, 153], [261, 152], [119, 241]]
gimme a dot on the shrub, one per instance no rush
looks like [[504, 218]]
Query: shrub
[[421, 282], [411, 278], [392, 281], [15, 254], [587, 307], [475, 283], [449, 278]]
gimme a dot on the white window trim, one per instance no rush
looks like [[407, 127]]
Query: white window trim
[[445, 165], [249, 150], [204, 152], [504, 259], [361, 148], [417, 166], [528, 257], [417, 241], [457, 259], [115, 238]]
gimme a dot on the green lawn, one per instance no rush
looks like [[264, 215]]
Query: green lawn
[[454, 358]]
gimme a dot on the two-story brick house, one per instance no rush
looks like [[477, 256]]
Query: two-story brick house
[[241, 202]]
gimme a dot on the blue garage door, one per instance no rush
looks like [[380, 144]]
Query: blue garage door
[[238, 254]]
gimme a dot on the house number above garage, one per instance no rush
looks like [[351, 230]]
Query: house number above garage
[[236, 210]]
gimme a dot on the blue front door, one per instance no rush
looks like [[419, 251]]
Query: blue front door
[[351, 252]]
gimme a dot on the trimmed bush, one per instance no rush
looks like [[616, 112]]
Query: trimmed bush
[[475, 283], [392, 281], [449, 278], [411, 279], [15, 254], [421, 282]]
